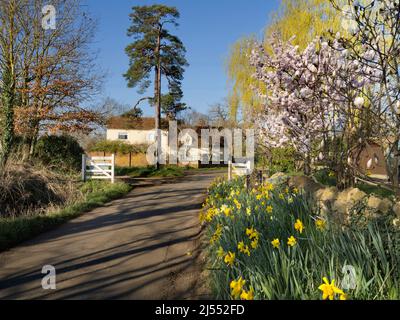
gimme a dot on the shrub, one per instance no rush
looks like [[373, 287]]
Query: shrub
[[279, 160], [243, 225], [118, 147], [26, 188], [62, 152]]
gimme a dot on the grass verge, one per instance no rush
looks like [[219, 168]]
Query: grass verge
[[94, 194], [143, 172]]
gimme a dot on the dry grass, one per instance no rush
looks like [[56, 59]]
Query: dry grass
[[27, 189]]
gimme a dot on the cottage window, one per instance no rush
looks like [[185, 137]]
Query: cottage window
[[122, 136]]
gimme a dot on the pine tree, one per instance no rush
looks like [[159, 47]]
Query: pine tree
[[156, 50]]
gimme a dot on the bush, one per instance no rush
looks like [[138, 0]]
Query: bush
[[62, 152], [118, 147], [26, 188], [325, 177], [279, 160], [246, 224]]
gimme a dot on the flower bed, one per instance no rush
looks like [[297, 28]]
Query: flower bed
[[271, 243]]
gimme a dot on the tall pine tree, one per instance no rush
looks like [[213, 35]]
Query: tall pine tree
[[156, 50]]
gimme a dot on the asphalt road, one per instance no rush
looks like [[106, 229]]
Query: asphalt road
[[143, 246]]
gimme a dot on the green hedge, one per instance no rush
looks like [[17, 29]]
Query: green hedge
[[119, 147], [62, 152]]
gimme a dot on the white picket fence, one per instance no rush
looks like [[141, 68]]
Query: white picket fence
[[98, 168], [239, 169]]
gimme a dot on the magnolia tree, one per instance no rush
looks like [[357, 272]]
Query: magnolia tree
[[312, 101], [373, 40]]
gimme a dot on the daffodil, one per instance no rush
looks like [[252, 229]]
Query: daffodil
[[217, 234], [226, 210], [281, 196], [295, 191], [329, 290], [230, 258], [269, 186], [237, 204], [320, 224], [220, 252], [237, 287], [247, 295], [292, 241], [299, 226], [248, 211], [243, 248], [270, 209], [252, 233], [276, 243], [254, 243]]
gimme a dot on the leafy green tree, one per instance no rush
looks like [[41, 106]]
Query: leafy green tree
[[171, 104], [135, 113], [156, 50]]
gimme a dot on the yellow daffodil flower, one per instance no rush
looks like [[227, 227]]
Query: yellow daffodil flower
[[237, 204], [299, 226], [292, 241], [329, 290], [220, 252], [230, 258], [248, 211], [237, 287], [270, 209], [276, 243], [320, 224], [247, 295]]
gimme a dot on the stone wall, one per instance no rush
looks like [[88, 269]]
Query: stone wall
[[341, 204]]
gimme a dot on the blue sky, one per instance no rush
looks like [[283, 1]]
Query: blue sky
[[207, 28]]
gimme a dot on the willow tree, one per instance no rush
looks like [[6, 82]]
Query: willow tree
[[301, 19], [156, 50]]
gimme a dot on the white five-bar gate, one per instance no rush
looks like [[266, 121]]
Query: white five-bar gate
[[239, 169], [98, 168]]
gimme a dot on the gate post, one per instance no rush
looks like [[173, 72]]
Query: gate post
[[83, 167], [113, 168]]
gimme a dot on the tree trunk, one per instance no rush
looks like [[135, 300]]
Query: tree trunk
[[307, 165], [8, 98], [8, 91], [157, 86]]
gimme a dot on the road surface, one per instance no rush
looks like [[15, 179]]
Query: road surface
[[143, 246]]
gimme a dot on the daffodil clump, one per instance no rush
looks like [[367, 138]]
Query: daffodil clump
[[271, 242]]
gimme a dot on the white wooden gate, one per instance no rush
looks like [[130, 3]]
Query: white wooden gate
[[98, 168], [239, 169]]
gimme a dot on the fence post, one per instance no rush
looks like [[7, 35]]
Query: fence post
[[83, 167], [229, 170], [113, 168]]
